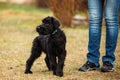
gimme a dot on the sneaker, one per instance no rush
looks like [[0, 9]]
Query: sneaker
[[107, 67], [88, 66]]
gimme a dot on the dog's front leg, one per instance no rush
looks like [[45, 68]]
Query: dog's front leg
[[52, 59], [47, 61], [35, 53], [53, 63], [60, 65]]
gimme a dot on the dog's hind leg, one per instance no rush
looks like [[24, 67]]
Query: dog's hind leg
[[35, 53]]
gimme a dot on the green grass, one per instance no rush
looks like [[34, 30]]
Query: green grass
[[32, 9], [17, 31]]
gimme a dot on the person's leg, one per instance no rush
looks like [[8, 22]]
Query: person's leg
[[95, 23], [111, 18]]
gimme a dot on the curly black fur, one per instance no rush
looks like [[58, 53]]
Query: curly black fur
[[52, 41]]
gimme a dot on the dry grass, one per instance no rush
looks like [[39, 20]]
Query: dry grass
[[17, 30]]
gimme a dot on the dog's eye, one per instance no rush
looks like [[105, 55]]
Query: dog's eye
[[47, 24]]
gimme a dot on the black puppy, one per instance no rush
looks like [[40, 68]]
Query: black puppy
[[52, 41]]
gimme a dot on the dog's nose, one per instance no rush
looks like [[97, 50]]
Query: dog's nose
[[38, 28]]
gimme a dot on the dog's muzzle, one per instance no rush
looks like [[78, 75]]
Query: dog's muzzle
[[39, 29]]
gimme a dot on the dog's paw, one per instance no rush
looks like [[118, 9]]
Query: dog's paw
[[54, 73], [28, 72], [60, 74]]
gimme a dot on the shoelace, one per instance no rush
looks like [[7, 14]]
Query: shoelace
[[107, 63], [86, 65]]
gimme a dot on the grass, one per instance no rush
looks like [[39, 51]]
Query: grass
[[17, 30]]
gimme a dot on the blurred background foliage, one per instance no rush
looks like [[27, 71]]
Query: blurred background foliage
[[64, 10]]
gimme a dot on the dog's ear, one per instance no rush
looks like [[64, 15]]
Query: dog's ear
[[56, 23]]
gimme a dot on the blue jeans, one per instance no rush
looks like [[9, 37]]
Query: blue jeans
[[97, 11]]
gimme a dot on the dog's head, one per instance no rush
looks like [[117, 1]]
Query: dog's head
[[49, 26]]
